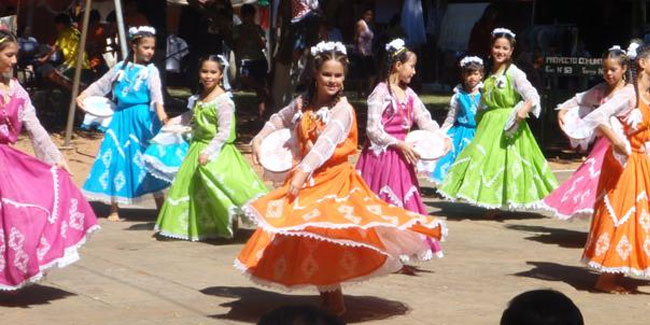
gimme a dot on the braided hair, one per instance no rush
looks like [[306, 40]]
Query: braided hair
[[317, 62], [134, 40], [642, 52]]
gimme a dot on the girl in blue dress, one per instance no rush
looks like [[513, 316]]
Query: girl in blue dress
[[118, 174], [460, 123]]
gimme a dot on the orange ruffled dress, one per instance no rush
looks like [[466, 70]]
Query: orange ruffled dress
[[619, 239], [336, 230]]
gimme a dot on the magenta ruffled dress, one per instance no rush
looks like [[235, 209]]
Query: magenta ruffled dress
[[44, 217], [381, 165], [577, 195]]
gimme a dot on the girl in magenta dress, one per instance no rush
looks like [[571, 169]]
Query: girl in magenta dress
[[387, 162], [44, 217], [577, 195]]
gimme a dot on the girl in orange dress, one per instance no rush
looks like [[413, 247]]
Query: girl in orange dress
[[619, 238], [325, 226]]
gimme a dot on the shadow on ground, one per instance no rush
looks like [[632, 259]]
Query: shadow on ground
[[578, 277], [128, 214], [546, 235], [32, 295], [464, 211], [252, 303]]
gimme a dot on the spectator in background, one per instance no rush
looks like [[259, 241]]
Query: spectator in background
[[542, 307], [366, 66], [249, 44], [96, 44], [67, 42], [480, 39]]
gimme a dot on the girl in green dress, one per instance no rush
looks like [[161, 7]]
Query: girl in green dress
[[214, 179], [502, 168]]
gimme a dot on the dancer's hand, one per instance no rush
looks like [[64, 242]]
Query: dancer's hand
[[64, 165], [203, 159], [522, 114], [409, 154], [560, 117], [164, 119], [297, 181], [256, 148], [448, 144], [620, 148], [80, 101]]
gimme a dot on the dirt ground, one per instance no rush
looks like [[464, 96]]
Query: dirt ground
[[126, 276]]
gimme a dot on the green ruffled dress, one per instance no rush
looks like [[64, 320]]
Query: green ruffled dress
[[204, 201], [496, 170]]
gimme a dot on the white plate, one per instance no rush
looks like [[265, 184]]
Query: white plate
[[277, 151], [574, 126], [99, 106], [428, 145], [176, 128]]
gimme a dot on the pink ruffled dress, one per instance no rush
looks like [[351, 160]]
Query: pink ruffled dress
[[44, 217], [577, 195]]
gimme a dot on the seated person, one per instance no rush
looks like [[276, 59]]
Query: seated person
[[67, 42]]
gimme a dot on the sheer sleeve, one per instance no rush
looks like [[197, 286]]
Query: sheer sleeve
[[335, 132], [225, 112], [104, 84], [525, 89], [590, 98], [186, 117], [377, 102], [44, 148], [422, 116], [282, 119], [619, 105], [155, 85], [452, 113]]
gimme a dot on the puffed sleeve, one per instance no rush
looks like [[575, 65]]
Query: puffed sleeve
[[379, 138], [155, 85], [525, 89], [225, 109], [44, 148], [452, 113], [589, 99], [186, 117], [104, 84], [422, 116], [335, 132], [282, 119], [619, 105]]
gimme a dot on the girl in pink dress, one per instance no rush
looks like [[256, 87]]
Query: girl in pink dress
[[576, 196], [44, 219], [387, 162]]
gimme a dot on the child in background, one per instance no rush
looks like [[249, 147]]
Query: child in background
[[460, 123]]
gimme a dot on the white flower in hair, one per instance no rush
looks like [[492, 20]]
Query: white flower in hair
[[135, 31], [470, 59], [616, 48], [502, 30], [223, 61], [395, 45], [631, 50], [328, 47]]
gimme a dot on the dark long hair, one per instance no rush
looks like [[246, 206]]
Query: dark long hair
[[391, 58], [134, 41], [316, 64]]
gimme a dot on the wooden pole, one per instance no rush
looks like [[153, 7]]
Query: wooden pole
[[81, 49], [120, 28]]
